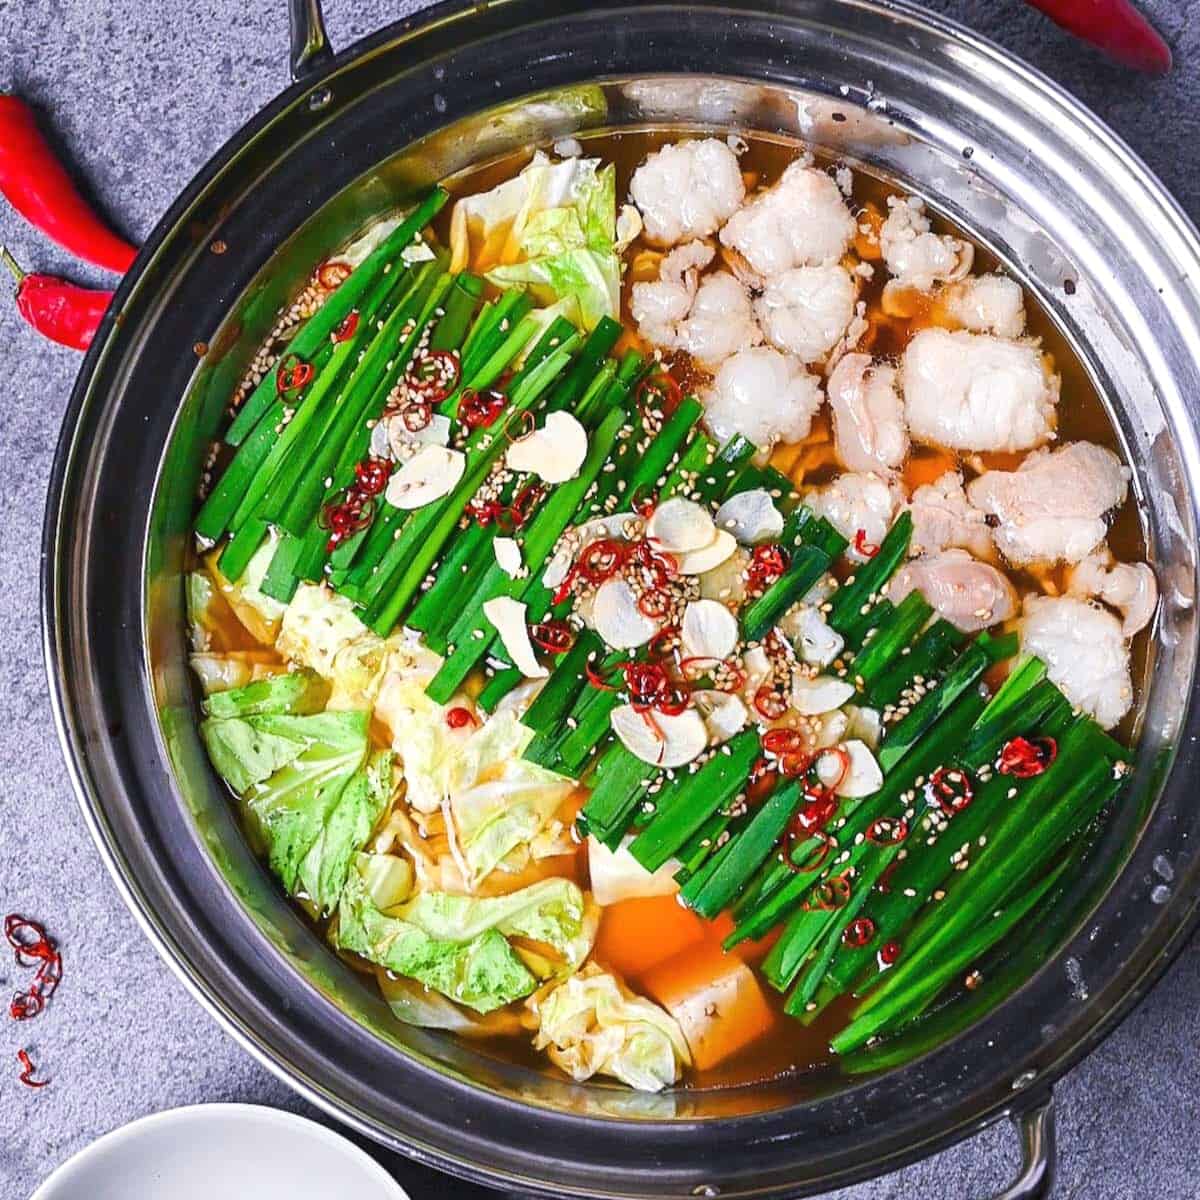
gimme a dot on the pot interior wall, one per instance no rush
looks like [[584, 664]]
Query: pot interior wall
[[1048, 192]]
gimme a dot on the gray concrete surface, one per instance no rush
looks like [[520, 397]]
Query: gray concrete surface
[[141, 94]]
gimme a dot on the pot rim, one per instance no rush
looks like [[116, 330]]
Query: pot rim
[[55, 568]]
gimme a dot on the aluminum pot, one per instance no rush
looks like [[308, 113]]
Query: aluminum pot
[[994, 145]]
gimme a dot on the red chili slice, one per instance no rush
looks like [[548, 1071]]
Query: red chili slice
[[783, 741], [555, 636], [601, 559], [526, 425], [862, 546], [523, 504], [371, 475], [331, 275], [859, 932], [950, 788], [292, 374], [769, 703], [459, 717], [433, 375], [889, 953], [416, 416], [597, 681], [1023, 758], [672, 704], [659, 391], [654, 604], [661, 643], [480, 409], [27, 1071], [347, 329], [887, 831]]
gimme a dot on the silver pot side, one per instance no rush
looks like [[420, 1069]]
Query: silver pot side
[[991, 144]]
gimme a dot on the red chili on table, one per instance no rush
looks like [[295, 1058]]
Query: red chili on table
[[32, 948], [1115, 27], [62, 311], [37, 185]]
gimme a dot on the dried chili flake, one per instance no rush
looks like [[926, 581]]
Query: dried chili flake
[[27, 1071]]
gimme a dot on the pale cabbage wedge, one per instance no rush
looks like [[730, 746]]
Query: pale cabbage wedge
[[458, 945], [592, 1025], [258, 612], [552, 228]]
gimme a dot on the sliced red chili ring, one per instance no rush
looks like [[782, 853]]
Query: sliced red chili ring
[[950, 788], [597, 681], [554, 635], [769, 703], [887, 831], [601, 559], [654, 604], [521, 508], [433, 375], [862, 546], [526, 424], [672, 704], [783, 741], [859, 932], [1023, 758], [843, 757], [331, 275], [371, 475], [416, 416], [27, 1071], [480, 409], [292, 374], [816, 860], [659, 391], [347, 329], [814, 815], [459, 717], [663, 642], [889, 953]]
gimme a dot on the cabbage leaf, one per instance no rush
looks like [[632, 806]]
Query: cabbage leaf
[[592, 1025], [458, 945]]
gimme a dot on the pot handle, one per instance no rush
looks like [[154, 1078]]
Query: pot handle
[[1035, 1127], [310, 44]]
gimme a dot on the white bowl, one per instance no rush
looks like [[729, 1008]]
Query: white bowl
[[231, 1151]]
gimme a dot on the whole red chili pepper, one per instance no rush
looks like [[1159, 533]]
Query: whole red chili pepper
[[1115, 27], [62, 311], [39, 188]]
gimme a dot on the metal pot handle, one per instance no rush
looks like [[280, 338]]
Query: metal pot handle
[[1035, 1126], [310, 44]]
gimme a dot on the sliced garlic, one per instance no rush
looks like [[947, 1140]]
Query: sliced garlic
[[508, 556], [724, 714], [757, 667], [696, 562], [629, 225], [816, 642], [709, 630], [863, 776], [679, 525], [616, 875], [750, 516], [812, 697], [403, 442], [508, 616], [865, 723], [554, 453], [832, 729], [659, 739], [617, 618], [429, 475]]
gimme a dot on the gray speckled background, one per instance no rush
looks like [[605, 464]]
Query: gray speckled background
[[140, 95]]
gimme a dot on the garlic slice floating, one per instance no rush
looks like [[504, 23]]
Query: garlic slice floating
[[863, 776], [812, 697], [617, 618], [750, 516], [696, 562], [659, 739], [865, 723], [508, 556], [553, 453], [678, 525], [430, 474], [508, 616], [817, 643], [403, 443], [709, 630], [724, 714]]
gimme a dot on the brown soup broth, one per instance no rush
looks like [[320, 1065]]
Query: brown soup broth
[[790, 1047]]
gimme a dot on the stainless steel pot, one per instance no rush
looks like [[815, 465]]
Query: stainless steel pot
[[996, 146]]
